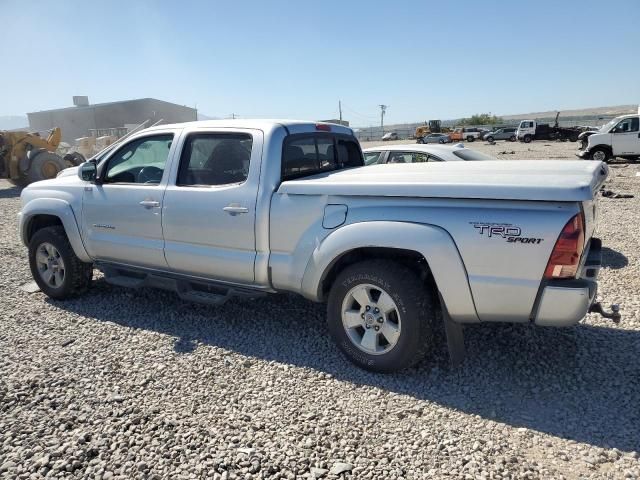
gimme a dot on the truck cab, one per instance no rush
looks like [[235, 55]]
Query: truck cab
[[526, 130], [618, 138]]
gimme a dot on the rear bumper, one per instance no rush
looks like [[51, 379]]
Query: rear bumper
[[565, 302]]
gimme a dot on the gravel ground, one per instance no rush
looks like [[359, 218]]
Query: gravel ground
[[137, 384]]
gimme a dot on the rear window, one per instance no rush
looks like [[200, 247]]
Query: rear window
[[468, 154], [309, 154]]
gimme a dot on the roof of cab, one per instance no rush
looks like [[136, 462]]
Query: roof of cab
[[255, 123]]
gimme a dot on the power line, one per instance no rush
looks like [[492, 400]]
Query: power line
[[358, 114]]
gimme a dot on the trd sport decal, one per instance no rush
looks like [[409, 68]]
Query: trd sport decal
[[511, 233]]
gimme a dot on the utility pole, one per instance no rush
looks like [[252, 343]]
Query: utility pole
[[340, 109], [383, 109]]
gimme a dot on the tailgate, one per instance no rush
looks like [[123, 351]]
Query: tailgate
[[590, 207]]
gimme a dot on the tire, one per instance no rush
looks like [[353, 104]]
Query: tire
[[441, 141], [50, 251], [470, 139], [527, 139], [574, 137], [600, 154], [44, 165], [413, 313], [512, 138], [489, 139], [419, 140]]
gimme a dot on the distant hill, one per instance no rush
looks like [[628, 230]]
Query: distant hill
[[13, 122], [582, 112]]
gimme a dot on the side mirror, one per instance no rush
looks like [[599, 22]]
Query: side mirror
[[88, 172]]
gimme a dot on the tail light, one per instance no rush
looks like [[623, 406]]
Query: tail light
[[567, 251]]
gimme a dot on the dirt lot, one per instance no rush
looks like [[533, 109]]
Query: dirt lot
[[138, 384]]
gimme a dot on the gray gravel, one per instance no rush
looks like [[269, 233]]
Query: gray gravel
[[137, 384]]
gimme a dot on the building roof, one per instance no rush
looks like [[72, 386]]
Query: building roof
[[104, 104]]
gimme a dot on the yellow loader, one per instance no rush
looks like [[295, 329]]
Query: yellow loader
[[27, 157]]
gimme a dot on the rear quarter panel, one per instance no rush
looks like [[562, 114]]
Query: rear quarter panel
[[504, 245]]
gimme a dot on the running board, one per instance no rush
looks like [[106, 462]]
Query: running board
[[209, 293]]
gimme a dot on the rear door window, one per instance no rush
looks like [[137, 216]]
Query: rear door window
[[214, 159], [309, 154]]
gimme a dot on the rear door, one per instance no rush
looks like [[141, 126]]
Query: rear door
[[210, 205], [625, 137]]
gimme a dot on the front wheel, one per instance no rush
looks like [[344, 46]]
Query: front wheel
[[512, 138], [489, 139], [380, 315], [600, 154], [441, 140], [470, 139], [419, 140], [57, 270], [527, 139]]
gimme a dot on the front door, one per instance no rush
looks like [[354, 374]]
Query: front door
[[121, 213], [625, 137], [209, 210]]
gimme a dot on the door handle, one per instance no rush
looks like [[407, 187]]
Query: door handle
[[235, 209], [149, 203]]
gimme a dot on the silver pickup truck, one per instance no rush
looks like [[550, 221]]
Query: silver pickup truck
[[218, 209]]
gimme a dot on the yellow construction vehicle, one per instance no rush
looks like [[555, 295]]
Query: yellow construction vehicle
[[432, 126], [27, 157]]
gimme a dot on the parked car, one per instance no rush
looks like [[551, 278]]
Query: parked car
[[415, 153], [435, 138], [618, 138], [390, 136], [501, 134], [240, 208]]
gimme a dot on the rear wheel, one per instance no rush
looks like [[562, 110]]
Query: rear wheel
[[380, 315], [512, 138], [57, 270], [419, 140], [470, 138], [441, 140]]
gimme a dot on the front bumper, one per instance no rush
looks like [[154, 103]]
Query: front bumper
[[582, 154], [565, 302]]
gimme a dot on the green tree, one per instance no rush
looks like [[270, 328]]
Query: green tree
[[481, 119]]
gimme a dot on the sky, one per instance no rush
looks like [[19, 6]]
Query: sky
[[297, 59]]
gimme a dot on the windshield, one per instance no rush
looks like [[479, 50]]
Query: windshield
[[605, 128], [468, 154]]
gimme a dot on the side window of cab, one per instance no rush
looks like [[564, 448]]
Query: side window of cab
[[141, 161]]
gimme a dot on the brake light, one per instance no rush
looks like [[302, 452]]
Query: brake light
[[567, 251], [323, 126]]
